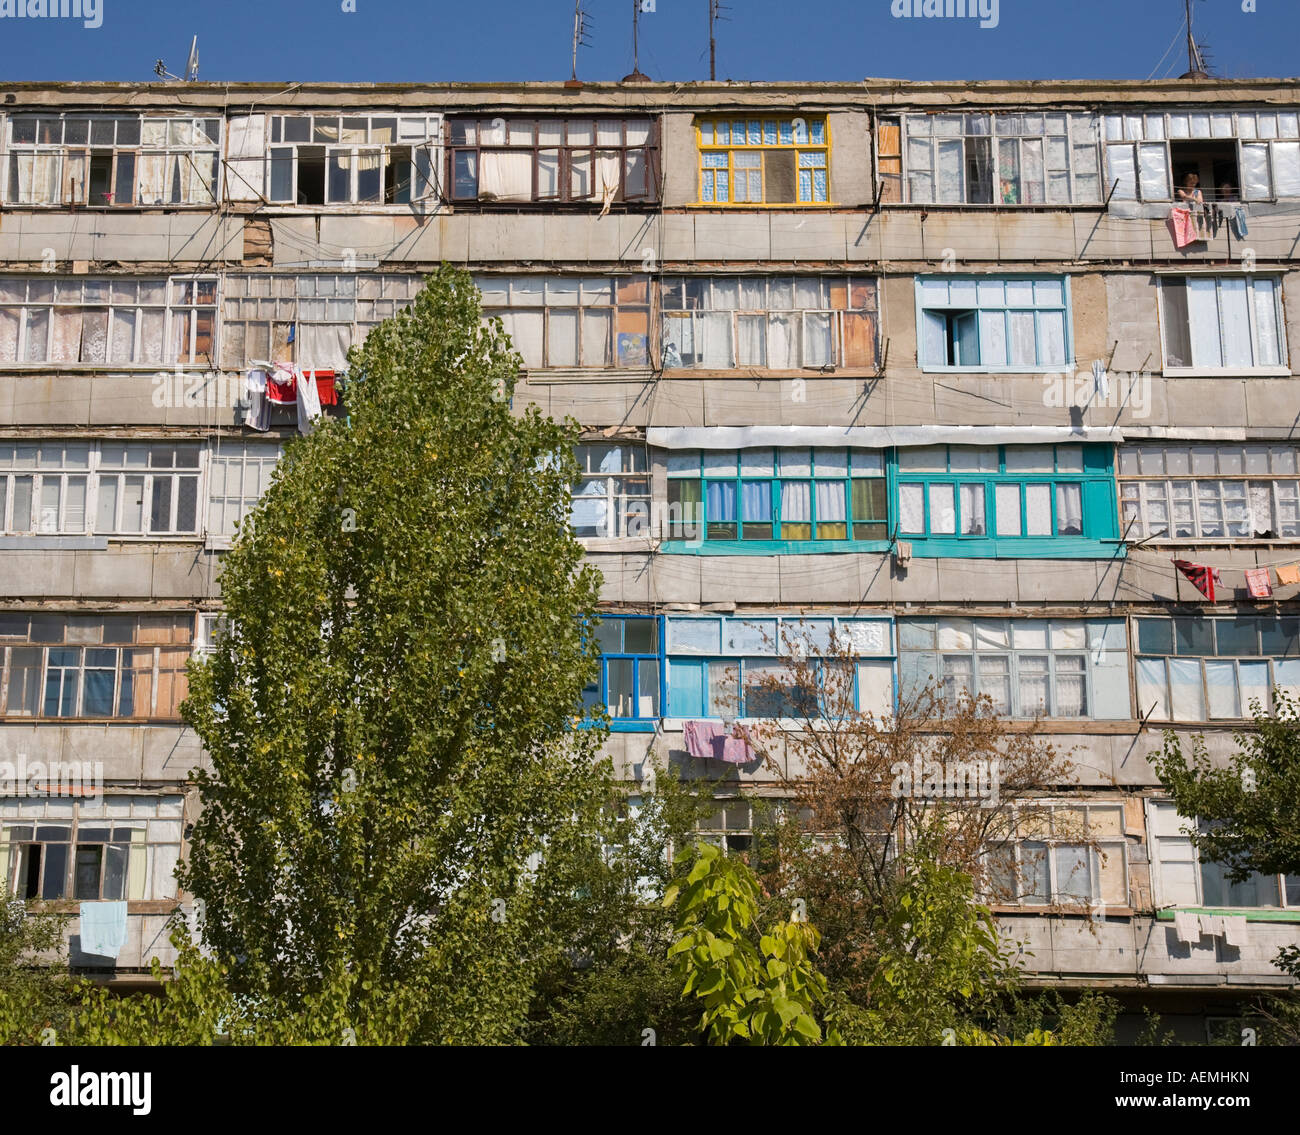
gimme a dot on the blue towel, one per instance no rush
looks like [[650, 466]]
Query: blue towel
[[103, 928]]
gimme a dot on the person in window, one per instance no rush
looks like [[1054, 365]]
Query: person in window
[[1189, 193]]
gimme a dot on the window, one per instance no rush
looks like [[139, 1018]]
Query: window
[[1210, 492], [1053, 667], [123, 847], [1226, 323], [553, 159], [113, 160], [93, 666], [1067, 854], [799, 495], [325, 159], [107, 321], [325, 313], [991, 324], [1237, 155], [1194, 669], [724, 666], [1183, 879], [778, 323], [764, 161], [629, 669], [211, 628], [981, 493], [741, 825], [239, 473], [559, 321], [612, 498], [147, 489], [1016, 158], [43, 487]]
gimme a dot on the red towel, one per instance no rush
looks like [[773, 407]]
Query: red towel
[[280, 385], [325, 387], [1202, 578]]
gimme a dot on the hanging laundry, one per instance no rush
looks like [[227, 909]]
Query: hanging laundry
[[293, 330], [326, 387], [308, 402], [1201, 577], [281, 384], [1100, 380], [1288, 574], [258, 414], [1182, 226], [700, 738], [1239, 227], [737, 748], [1258, 583]]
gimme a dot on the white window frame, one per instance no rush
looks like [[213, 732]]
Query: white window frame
[[1282, 369], [421, 132], [621, 507], [1138, 493], [1107, 846], [1162, 898]]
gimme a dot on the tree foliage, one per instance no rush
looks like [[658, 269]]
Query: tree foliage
[[397, 798]]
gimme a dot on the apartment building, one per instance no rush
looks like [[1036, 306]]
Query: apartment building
[[935, 366]]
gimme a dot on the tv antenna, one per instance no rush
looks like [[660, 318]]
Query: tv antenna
[[1197, 68], [637, 7], [191, 66], [581, 22], [716, 8]]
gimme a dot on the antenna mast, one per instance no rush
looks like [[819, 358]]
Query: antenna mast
[[580, 20], [1196, 68], [713, 43]]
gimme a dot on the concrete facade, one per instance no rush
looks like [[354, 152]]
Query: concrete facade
[[1113, 258]]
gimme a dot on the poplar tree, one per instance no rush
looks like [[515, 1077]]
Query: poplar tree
[[398, 802]]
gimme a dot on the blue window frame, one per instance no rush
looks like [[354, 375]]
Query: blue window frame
[[760, 501], [990, 323], [1013, 500], [628, 684], [715, 663]]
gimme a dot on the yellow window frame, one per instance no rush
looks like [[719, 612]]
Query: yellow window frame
[[702, 148]]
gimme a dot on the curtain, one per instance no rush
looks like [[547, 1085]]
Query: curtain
[[66, 342], [324, 345], [995, 680], [972, 510], [818, 348], [796, 510], [943, 514], [721, 502], [636, 174], [1153, 697], [1024, 350], [1071, 689], [506, 176], [608, 166], [1032, 684], [1203, 318], [525, 331], [1255, 183], [597, 325], [1069, 510], [1264, 295], [1234, 305], [830, 502], [1221, 685], [782, 341], [950, 173], [751, 341], [9, 334], [993, 338], [38, 178], [562, 337], [714, 330], [153, 178], [756, 502]]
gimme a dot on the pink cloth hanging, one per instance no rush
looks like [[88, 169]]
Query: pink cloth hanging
[[700, 737], [737, 750], [1182, 226]]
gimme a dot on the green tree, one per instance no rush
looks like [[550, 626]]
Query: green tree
[[36, 993], [764, 993], [398, 803], [1251, 808]]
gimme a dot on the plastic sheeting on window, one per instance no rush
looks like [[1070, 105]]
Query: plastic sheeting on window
[[943, 514], [1038, 510], [1122, 171]]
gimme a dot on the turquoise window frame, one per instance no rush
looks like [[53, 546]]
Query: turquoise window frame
[[776, 544], [696, 665], [1098, 502], [635, 723], [929, 366]]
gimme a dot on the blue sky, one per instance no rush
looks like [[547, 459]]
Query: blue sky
[[489, 40]]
